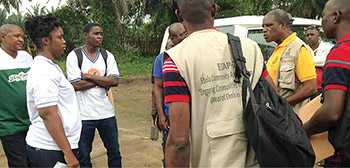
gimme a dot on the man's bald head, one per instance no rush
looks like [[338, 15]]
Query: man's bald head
[[176, 28], [342, 6], [6, 28], [177, 33], [196, 11], [336, 18]]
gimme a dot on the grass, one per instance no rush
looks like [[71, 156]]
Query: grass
[[141, 66]]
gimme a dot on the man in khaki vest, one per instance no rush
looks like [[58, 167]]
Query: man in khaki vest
[[291, 65], [205, 104]]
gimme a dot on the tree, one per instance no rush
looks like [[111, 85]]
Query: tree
[[8, 4]]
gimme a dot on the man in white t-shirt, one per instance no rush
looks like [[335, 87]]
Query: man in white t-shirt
[[321, 50], [54, 133], [14, 121], [92, 71]]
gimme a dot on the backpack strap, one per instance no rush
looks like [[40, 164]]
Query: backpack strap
[[104, 56], [79, 54], [240, 69]]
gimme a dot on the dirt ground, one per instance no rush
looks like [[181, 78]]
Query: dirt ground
[[132, 101]]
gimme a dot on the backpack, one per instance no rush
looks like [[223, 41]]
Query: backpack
[[272, 127], [79, 53]]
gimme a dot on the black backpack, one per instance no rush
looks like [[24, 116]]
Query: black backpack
[[273, 129], [79, 53]]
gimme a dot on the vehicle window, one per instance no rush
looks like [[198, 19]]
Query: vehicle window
[[227, 29], [266, 48]]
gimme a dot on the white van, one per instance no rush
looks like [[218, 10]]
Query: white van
[[251, 27]]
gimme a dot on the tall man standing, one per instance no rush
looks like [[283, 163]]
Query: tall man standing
[[334, 114], [205, 104], [14, 121], [92, 71], [291, 65]]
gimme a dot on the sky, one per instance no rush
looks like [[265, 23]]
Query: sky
[[26, 5]]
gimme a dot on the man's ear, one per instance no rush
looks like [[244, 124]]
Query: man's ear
[[179, 15], [337, 17], [213, 9], [45, 41]]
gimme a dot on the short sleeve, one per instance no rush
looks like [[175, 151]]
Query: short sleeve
[[175, 87], [46, 89], [305, 67], [336, 75], [72, 67], [157, 67], [112, 67]]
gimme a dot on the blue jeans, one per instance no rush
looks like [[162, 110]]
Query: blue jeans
[[46, 158], [15, 149], [108, 130]]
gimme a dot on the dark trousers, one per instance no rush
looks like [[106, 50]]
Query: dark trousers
[[107, 128], [46, 158], [15, 149]]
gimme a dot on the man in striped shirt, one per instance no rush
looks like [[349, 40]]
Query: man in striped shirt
[[333, 116]]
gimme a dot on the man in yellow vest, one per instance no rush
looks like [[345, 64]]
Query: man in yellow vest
[[291, 65], [205, 104]]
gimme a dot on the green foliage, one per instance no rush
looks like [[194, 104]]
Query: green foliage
[[73, 22], [8, 4], [131, 37]]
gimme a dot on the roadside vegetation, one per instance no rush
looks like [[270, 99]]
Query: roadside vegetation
[[133, 29]]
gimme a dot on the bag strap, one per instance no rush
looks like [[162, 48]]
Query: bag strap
[[79, 54], [104, 56], [241, 70]]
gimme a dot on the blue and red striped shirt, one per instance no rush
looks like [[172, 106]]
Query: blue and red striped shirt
[[175, 88]]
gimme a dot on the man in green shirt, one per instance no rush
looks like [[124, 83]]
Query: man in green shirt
[[14, 121]]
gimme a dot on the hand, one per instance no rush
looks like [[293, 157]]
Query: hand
[[163, 122], [86, 76], [71, 160]]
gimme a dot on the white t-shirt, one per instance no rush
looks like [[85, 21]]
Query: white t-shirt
[[47, 86], [22, 60], [94, 103], [321, 53]]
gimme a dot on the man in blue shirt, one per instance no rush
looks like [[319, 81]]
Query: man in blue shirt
[[177, 33]]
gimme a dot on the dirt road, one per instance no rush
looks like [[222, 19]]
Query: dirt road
[[132, 98]]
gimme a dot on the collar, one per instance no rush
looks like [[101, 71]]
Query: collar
[[41, 57], [204, 31], [288, 40], [5, 54], [344, 38]]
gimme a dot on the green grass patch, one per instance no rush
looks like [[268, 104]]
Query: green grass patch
[[138, 67]]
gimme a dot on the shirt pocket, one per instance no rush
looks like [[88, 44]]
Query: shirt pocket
[[286, 78], [227, 143]]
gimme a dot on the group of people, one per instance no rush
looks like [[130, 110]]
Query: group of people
[[47, 118], [201, 118]]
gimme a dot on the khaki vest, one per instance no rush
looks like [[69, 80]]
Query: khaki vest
[[217, 130], [287, 82]]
